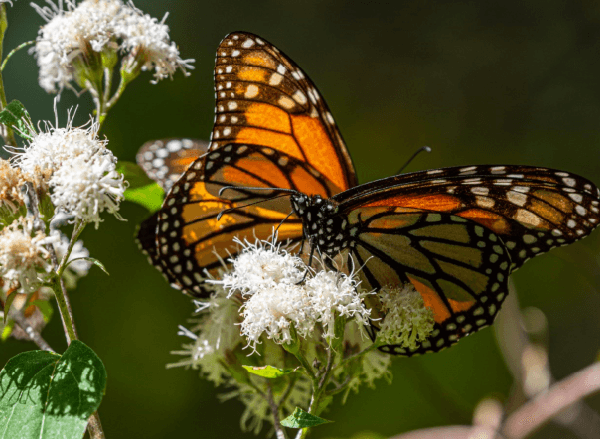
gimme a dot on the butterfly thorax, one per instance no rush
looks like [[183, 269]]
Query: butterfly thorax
[[323, 226]]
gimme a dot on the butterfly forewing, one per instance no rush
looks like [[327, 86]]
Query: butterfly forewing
[[264, 98], [531, 209]]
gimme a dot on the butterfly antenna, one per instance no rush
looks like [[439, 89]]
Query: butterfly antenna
[[240, 188], [223, 212], [417, 152]]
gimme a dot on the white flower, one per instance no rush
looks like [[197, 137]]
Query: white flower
[[50, 149], [74, 38], [77, 267], [81, 169], [260, 266], [87, 186], [23, 255], [70, 33], [270, 277], [147, 39], [332, 294], [407, 319]]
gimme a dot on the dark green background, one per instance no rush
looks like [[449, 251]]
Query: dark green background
[[489, 82]]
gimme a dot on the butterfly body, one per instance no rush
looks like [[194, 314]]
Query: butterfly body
[[454, 234]]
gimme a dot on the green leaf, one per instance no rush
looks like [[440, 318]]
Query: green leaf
[[7, 304], [46, 207], [94, 261], [135, 176], [49, 396], [268, 371], [15, 115], [302, 419], [151, 196]]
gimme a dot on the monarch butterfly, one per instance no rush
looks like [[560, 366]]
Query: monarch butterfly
[[455, 234]]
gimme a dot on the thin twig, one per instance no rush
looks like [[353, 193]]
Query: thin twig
[[35, 336], [279, 431], [559, 396]]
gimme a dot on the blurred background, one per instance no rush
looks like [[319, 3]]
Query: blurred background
[[495, 82]]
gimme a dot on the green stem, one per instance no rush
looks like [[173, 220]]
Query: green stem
[[15, 50], [9, 135], [319, 390], [79, 226], [63, 306], [307, 367]]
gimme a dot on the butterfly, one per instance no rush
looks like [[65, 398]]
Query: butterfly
[[277, 159]]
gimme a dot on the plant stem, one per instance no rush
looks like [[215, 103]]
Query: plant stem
[[95, 426], [318, 391], [8, 133], [79, 226], [304, 362]]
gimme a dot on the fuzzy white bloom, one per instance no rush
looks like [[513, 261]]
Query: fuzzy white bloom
[[269, 278], [82, 170], [76, 34], [332, 294], [77, 267], [87, 186], [148, 40], [70, 33], [262, 265], [23, 255], [407, 319]]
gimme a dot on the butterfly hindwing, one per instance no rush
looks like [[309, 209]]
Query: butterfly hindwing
[[165, 160], [459, 267]]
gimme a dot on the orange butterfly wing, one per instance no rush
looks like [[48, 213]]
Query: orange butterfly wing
[[264, 98], [272, 130]]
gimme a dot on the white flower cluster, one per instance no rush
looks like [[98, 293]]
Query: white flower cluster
[[23, 254], [82, 171], [101, 26], [270, 279], [407, 319]]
